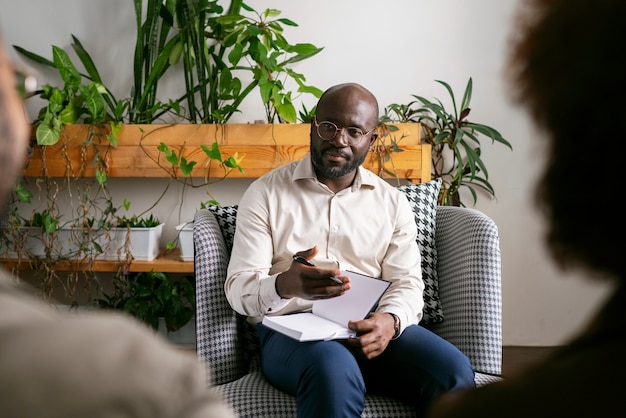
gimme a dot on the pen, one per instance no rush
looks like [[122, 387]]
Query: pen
[[304, 261]]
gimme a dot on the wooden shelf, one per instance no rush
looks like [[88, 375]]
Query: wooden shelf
[[168, 262], [262, 146]]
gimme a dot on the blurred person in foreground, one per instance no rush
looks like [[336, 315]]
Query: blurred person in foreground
[[55, 365], [568, 67]]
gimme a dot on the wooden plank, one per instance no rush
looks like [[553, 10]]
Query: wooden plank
[[167, 262], [263, 148]]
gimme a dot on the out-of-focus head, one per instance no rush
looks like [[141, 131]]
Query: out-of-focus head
[[568, 68], [14, 128]]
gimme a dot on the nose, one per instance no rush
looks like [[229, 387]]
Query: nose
[[339, 140]]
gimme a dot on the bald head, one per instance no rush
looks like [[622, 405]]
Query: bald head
[[351, 96]]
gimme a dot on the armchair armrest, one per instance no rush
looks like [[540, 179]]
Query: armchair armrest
[[218, 341], [468, 265]]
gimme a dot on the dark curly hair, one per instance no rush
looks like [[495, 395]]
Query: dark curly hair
[[568, 67]]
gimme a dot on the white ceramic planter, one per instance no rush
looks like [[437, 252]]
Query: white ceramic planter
[[31, 239], [184, 337], [185, 241], [143, 243]]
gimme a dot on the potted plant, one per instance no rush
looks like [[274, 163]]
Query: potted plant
[[185, 241], [138, 237], [455, 141], [152, 297]]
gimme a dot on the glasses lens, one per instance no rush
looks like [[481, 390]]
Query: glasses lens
[[327, 130], [355, 134]]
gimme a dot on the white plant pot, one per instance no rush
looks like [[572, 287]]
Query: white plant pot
[[144, 242], [185, 241], [31, 239], [186, 336]]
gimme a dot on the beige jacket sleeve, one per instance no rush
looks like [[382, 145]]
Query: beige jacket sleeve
[[58, 365]]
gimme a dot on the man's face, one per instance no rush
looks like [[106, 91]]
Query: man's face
[[339, 157], [14, 129]]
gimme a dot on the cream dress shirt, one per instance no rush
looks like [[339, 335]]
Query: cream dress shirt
[[368, 228]]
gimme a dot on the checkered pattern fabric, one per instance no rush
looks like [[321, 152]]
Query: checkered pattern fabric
[[423, 200], [254, 397], [468, 251], [472, 320], [217, 331], [226, 218]]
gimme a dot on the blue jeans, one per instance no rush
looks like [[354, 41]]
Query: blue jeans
[[329, 381]]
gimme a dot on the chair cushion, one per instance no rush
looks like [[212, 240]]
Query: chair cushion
[[253, 396], [423, 200]]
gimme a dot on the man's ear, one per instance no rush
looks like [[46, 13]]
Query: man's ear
[[373, 139]]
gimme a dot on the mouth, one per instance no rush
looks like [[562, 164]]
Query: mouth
[[336, 156]]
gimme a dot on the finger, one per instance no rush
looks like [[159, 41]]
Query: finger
[[312, 252], [309, 253]]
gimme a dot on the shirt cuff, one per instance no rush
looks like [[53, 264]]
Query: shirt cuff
[[269, 297]]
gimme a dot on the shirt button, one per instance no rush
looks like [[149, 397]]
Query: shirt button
[[335, 228]]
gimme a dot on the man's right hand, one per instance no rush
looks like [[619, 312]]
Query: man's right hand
[[310, 282]]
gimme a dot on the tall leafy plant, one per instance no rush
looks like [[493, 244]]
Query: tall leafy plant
[[155, 43], [213, 93], [215, 45], [270, 58], [455, 141]]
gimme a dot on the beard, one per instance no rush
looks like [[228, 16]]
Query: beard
[[334, 172]]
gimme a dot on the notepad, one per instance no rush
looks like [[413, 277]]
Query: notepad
[[329, 318]]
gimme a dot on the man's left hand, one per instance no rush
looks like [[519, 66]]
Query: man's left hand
[[374, 334]]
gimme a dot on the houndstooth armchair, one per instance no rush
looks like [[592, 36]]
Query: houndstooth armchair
[[468, 266]]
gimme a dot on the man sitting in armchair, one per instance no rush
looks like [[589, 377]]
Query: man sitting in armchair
[[328, 209]]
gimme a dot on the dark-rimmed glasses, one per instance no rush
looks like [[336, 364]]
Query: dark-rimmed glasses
[[328, 131]]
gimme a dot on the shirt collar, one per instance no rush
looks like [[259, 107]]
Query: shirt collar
[[304, 170]]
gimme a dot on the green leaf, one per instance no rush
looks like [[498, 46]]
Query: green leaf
[[231, 162], [170, 155], [213, 152], [48, 132], [286, 21], [467, 96], [23, 195], [93, 100], [66, 68], [185, 166], [32, 56], [287, 111], [101, 176]]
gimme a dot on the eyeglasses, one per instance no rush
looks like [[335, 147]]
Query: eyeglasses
[[328, 131]]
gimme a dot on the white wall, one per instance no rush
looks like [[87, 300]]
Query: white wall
[[395, 51]]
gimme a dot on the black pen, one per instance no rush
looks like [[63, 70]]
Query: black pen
[[304, 261]]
